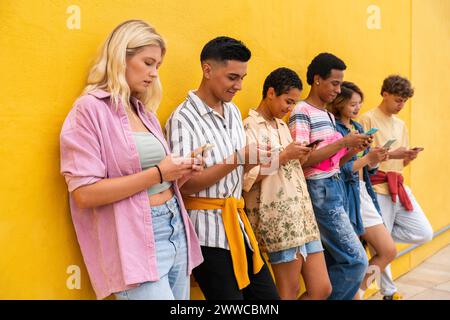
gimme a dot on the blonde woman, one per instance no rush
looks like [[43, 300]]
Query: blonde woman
[[134, 233]]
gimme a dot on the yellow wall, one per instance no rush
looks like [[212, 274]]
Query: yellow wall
[[44, 63], [430, 115]]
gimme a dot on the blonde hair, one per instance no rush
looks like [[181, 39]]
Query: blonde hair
[[108, 71]]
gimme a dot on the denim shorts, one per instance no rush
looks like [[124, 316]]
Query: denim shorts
[[171, 256], [290, 254]]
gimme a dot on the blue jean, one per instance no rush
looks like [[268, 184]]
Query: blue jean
[[344, 254], [290, 254], [171, 256]]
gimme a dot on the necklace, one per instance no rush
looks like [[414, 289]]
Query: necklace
[[136, 123], [322, 109], [134, 116], [277, 130]]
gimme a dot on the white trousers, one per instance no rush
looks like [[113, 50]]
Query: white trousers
[[405, 227]]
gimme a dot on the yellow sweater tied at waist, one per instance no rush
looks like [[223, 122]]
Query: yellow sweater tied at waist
[[231, 207]]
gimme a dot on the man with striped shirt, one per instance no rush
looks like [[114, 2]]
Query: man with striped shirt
[[232, 267], [310, 121]]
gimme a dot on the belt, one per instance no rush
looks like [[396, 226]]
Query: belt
[[231, 208]]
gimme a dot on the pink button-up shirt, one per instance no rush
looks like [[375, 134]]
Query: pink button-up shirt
[[116, 240]]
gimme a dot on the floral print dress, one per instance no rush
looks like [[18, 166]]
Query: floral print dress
[[278, 207]]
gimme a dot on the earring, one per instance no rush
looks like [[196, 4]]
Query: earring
[[317, 82]]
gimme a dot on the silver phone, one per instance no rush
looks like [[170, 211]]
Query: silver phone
[[389, 143]]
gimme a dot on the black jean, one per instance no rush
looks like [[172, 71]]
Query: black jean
[[217, 281]]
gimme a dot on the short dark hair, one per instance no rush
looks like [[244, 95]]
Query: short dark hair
[[282, 80], [225, 48], [347, 90], [398, 86], [322, 65]]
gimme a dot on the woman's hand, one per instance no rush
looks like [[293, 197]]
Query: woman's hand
[[376, 155], [364, 145], [198, 161], [357, 140], [198, 165], [173, 168]]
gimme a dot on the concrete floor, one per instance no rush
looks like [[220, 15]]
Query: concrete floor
[[429, 281]]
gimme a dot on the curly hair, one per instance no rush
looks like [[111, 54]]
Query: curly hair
[[322, 65], [282, 80], [398, 86]]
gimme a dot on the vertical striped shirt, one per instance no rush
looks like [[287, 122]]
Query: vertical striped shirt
[[192, 125], [308, 124]]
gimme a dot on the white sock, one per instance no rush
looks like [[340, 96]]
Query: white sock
[[361, 293]]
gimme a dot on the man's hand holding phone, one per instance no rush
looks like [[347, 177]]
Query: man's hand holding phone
[[413, 153], [313, 145], [297, 150], [389, 143], [405, 154]]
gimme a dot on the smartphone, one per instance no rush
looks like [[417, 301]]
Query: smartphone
[[371, 131], [312, 144], [389, 143], [207, 147], [418, 149], [202, 150]]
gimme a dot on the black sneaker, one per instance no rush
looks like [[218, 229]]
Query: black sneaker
[[395, 296]]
